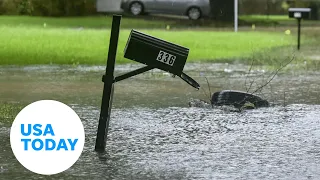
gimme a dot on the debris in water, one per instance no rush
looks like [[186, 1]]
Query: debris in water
[[238, 99]]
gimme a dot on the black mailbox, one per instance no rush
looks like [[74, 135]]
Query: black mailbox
[[156, 53], [299, 13]]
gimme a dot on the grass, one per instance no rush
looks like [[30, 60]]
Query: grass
[[76, 22], [145, 22], [8, 111], [85, 40], [265, 17], [274, 20], [105, 21], [38, 45]]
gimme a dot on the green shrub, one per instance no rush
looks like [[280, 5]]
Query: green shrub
[[9, 7], [48, 7], [25, 7]]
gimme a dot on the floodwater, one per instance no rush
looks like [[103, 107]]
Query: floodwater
[[155, 135]]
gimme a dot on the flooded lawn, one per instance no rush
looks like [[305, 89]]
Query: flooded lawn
[[155, 135]]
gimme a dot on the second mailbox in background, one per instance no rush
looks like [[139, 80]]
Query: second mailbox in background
[[299, 13], [155, 52]]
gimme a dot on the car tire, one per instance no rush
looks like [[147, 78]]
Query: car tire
[[136, 8], [194, 13], [237, 98]]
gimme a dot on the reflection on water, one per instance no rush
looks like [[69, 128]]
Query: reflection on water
[[154, 135]]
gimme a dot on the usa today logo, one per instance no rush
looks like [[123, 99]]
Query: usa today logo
[[47, 137]]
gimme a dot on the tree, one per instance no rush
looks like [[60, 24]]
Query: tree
[[48, 7], [222, 10]]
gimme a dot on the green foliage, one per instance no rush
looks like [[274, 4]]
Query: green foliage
[[13, 7], [8, 111], [299, 3], [48, 7], [9, 7], [285, 5], [247, 7]]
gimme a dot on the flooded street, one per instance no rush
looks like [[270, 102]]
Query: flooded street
[[155, 135]]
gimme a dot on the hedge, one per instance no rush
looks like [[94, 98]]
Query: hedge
[[48, 7]]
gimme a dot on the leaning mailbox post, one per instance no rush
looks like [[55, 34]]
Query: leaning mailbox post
[[299, 13], [148, 50]]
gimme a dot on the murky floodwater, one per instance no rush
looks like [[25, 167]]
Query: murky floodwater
[[155, 135]]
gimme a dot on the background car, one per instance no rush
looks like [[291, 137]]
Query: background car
[[194, 9]]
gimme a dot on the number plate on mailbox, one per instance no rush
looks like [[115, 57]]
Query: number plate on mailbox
[[166, 58]]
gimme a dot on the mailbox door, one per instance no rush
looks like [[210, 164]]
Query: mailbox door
[[156, 52]]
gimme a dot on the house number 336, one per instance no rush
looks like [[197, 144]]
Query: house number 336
[[166, 58]]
